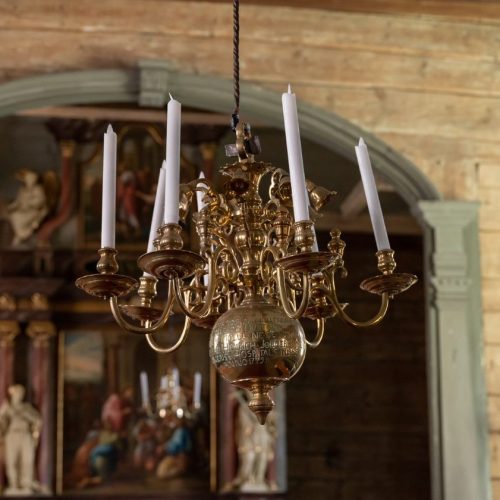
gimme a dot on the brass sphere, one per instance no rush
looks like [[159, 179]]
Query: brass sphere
[[256, 346]]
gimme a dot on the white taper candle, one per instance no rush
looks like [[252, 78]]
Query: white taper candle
[[295, 161], [201, 205], [175, 376], [144, 389], [197, 390], [372, 199], [176, 383], [171, 213], [200, 195], [164, 382], [157, 219], [108, 189], [315, 244]]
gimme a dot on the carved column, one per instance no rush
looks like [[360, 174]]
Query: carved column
[[8, 331], [457, 392], [9, 328], [42, 377]]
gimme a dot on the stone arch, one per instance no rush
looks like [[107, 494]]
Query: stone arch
[[459, 446]]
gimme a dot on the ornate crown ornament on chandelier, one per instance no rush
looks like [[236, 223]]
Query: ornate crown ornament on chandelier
[[258, 269]]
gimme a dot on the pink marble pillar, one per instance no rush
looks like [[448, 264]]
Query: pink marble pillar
[[41, 380], [8, 331]]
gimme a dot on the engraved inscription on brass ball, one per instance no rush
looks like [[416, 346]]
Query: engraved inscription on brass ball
[[256, 346]]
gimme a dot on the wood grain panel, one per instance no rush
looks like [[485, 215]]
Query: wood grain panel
[[492, 330], [491, 293], [389, 33], [346, 67], [357, 411], [472, 10]]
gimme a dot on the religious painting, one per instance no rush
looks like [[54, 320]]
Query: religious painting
[[133, 422], [140, 153], [84, 356], [251, 458]]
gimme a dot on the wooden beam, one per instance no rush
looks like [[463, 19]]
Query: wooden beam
[[461, 9], [355, 201], [126, 115], [396, 224]]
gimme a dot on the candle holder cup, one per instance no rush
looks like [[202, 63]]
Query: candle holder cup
[[170, 261], [388, 282], [144, 311], [306, 260], [107, 283]]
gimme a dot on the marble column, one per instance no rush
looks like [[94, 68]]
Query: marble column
[[42, 378]]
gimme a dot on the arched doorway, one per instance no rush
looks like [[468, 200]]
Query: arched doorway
[[459, 450]]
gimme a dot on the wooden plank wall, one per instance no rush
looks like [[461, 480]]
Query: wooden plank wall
[[428, 86], [357, 419]]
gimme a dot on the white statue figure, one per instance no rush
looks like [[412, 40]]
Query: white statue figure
[[30, 207], [255, 444], [20, 426]]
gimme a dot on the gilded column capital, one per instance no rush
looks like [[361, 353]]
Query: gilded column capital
[[8, 331], [7, 302], [39, 302], [67, 149], [41, 331]]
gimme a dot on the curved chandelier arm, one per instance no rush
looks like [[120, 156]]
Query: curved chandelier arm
[[320, 331], [384, 306], [149, 328], [166, 350], [285, 299], [184, 301]]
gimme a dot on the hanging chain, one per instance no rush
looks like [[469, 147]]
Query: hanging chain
[[235, 118]]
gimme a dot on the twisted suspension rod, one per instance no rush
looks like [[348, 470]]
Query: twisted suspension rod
[[235, 117]]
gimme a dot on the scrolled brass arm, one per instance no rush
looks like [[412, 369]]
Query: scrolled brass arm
[[212, 285], [379, 316], [167, 350], [320, 331], [285, 299], [150, 328]]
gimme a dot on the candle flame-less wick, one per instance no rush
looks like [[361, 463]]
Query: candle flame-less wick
[[361, 142], [289, 89], [109, 130], [171, 98]]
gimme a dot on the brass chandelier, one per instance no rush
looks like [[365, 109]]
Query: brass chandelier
[[258, 269]]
